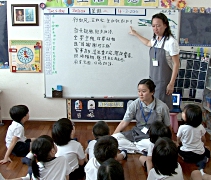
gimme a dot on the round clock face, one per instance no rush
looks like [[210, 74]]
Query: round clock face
[[25, 55]]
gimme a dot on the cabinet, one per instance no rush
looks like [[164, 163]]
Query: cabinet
[[192, 76]]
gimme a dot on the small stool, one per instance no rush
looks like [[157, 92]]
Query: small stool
[[174, 121]]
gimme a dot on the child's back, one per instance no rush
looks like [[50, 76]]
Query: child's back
[[164, 159], [16, 141], [191, 136], [70, 149], [73, 151], [157, 129], [99, 129], [106, 147], [44, 164], [110, 170]]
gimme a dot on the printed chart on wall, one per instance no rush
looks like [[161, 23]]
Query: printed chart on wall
[[97, 109], [195, 27], [4, 60], [90, 52], [70, 3], [25, 55]]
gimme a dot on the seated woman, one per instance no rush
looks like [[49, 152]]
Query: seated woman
[[145, 110]]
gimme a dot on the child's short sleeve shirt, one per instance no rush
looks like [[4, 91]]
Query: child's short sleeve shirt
[[191, 138], [57, 168], [150, 149], [91, 169], [90, 149], [72, 151], [15, 129], [153, 175]]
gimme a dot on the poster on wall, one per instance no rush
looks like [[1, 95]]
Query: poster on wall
[[69, 3], [25, 55], [4, 60]]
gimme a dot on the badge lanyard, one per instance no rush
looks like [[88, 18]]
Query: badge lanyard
[[156, 47], [142, 111]]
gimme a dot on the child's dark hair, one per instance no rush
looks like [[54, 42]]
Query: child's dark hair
[[100, 129], [158, 129], [193, 114], [41, 148], [61, 131], [110, 170], [18, 112], [164, 156], [106, 147], [149, 83]]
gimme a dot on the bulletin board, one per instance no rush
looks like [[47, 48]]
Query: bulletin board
[[97, 109], [25, 55], [90, 52], [4, 60], [195, 28]]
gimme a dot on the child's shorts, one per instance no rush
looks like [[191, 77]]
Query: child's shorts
[[192, 157], [78, 173], [21, 149]]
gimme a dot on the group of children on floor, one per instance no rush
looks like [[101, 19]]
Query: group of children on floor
[[62, 157]]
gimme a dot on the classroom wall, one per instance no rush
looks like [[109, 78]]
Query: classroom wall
[[28, 88]]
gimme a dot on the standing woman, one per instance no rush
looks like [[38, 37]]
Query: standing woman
[[164, 57]]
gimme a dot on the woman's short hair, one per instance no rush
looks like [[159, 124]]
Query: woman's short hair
[[149, 83], [164, 156], [110, 170], [193, 115]]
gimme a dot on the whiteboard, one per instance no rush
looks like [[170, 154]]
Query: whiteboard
[[90, 52]]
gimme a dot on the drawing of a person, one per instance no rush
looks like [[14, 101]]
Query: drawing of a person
[[19, 15]]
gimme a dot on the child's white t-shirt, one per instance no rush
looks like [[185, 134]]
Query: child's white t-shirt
[[191, 138], [90, 149], [91, 169], [154, 176], [72, 152], [58, 168], [15, 129], [150, 149]]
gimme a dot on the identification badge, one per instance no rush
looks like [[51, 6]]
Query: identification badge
[[144, 130], [155, 63]]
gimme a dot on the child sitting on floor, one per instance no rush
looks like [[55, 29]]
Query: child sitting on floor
[[191, 136], [110, 170], [44, 163], [16, 141], [157, 129], [62, 134], [106, 147], [164, 159], [99, 130]]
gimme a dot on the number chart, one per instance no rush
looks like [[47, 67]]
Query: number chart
[[25, 55]]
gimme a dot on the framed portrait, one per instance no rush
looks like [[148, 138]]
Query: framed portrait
[[24, 14]]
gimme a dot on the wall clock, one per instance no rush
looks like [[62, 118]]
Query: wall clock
[[25, 55]]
